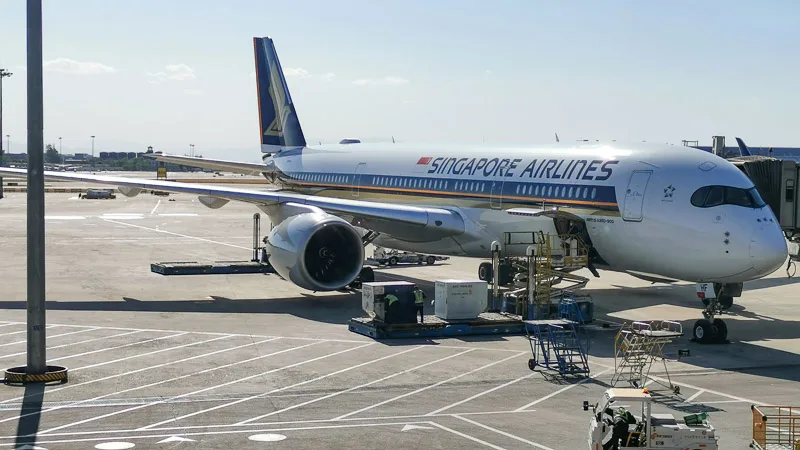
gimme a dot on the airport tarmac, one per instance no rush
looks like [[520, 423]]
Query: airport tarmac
[[250, 361]]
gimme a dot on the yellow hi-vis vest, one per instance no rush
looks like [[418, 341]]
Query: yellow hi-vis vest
[[390, 298], [419, 297]]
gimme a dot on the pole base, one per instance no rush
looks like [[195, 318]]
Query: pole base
[[20, 375]]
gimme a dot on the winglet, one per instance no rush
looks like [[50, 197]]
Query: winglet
[[280, 128], [743, 148]]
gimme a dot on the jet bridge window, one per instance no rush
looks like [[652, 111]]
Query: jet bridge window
[[708, 196]]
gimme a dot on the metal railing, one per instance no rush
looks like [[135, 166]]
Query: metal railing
[[776, 427]]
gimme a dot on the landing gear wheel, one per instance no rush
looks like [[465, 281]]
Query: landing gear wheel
[[722, 331], [485, 272], [430, 260], [367, 275], [703, 331], [393, 261]]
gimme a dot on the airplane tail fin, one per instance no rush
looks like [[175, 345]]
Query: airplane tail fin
[[743, 147], [280, 128]]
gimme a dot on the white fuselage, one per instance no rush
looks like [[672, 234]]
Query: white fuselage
[[634, 199]]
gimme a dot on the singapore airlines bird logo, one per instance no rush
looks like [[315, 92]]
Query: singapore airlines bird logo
[[277, 92]]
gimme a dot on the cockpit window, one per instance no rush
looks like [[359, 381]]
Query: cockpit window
[[708, 196]]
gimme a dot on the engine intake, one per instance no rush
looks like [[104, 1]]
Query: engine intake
[[316, 251]]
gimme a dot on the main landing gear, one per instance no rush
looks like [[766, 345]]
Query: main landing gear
[[711, 330]]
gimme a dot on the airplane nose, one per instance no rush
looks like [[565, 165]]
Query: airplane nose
[[768, 250]]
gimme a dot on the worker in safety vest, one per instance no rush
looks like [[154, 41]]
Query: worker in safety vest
[[419, 303], [619, 434], [389, 299]]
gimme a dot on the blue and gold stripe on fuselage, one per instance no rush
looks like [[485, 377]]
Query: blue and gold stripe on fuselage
[[450, 191]]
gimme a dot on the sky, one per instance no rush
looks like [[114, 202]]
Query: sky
[[179, 72]]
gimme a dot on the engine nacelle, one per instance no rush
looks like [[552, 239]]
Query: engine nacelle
[[316, 251]]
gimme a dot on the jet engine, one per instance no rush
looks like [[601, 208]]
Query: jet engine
[[316, 251]]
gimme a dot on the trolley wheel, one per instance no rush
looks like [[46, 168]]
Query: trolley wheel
[[430, 260], [393, 261], [532, 364], [676, 390], [485, 272]]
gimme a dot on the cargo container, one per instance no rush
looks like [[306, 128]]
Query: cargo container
[[460, 299], [402, 311]]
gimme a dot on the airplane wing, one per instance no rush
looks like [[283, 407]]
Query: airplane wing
[[402, 221], [214, 164]]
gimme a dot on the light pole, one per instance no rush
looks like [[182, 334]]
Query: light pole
[[192, 149], [92, 148], [3, 74], [60, 153]]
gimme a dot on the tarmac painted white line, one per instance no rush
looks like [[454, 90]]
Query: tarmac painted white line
[[453, 405], [222, 432], [512, 436], [466, 436], [156, 230], [355, 388], [122, 216], [153, 211], [64, 217], [696, 394], [51, 337], [116, 347], [211, 333], [11, 333], [722, 401], [179, 429], [564, 389], [70, 386], [283, 389], [428, 387], [8, 324], [225, 405], [333, 394], [200, 391], [73, 404], [115, 445], [721, 394], [270, 437]]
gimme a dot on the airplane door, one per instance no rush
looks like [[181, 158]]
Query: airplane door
[[496, 196], [356, 185], [634, 195]]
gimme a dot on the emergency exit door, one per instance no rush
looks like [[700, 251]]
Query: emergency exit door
[[356, 185], [634, 195], [496, 195]]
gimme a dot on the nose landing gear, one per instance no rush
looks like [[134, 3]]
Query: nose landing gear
[[711, 330]]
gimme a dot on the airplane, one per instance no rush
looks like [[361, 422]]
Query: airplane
[[651, 210]]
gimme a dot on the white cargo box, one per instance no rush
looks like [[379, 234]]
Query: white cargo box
[[369, 291], [460, 299]]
